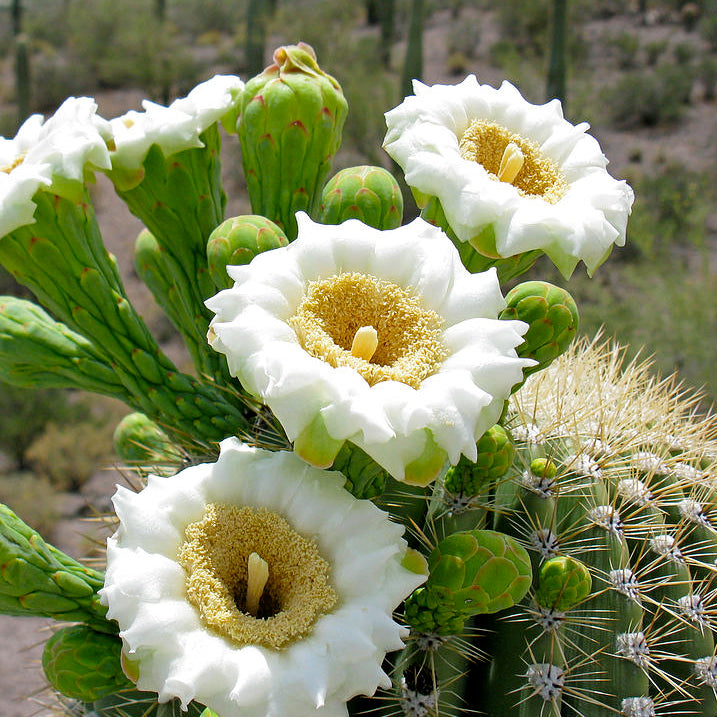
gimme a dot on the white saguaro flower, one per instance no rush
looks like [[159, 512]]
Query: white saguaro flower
[[256, 586], [511, 177], [53, 154], [177, 127], [381, 338]]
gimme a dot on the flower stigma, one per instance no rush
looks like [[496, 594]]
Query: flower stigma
[[510, 158], [365, 343], [252, 577], [340, 319]]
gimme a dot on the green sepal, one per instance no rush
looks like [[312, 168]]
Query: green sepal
[[369, 194], [84, 664], [425, 468], [316, 446]]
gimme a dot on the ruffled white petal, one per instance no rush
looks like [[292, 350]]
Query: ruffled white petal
[[174, 128], [423, 137], [179, 658], [391, 421], [61, 149]]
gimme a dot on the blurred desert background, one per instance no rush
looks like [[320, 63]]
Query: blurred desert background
[[643, 74]]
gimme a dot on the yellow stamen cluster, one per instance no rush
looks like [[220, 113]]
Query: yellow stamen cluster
[[216, 557], [514, 159], [375, 327]]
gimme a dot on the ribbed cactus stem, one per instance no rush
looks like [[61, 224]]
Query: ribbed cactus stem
[[557, 68], [256, 18], [61, 258], [413, 62]]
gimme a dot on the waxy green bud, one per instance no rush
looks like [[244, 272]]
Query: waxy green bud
[[495, 456], [563, 582], [553, 318], [471, 572], [364, 477], [138, 439], [84, 664], [290, 124], [237, 241], [369, 194]]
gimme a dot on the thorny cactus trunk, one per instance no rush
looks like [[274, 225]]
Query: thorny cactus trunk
[[413, 63], [557, 69], [612, 471]]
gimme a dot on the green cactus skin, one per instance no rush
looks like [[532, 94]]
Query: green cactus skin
[[133, 703], [84, 664], [290, 124], [62, 260], [611, 468], [139, 440], [237, 241], [369, 194], [552, 316], [556, 85], [180, 199], [471, 572], [37, 580], [413, 61], [474, 260], [37, 351]]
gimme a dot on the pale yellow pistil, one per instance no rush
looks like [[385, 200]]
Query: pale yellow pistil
[[509, 157], [257, 577], [510, 163], [15, 163], [340, 320], [365, 343]]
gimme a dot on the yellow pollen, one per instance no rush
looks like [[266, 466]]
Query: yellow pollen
[[128, 123], [257, 576], [15, 163], [340, 319], [365, 343], [508, 157], [511, 163], [253, 578]]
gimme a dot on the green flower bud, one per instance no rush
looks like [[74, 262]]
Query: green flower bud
[[553, 318], [237, 241], [369, 194], [364, 477], [543, 468], [471, 572], [290, 124], [84, 664], [138, 439], [428, 611], [495, 456], [562, 583]]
